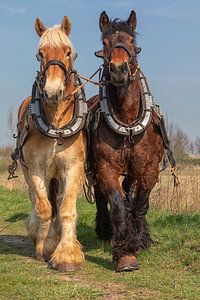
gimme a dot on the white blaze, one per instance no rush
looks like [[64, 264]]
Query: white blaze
[[53, 86]]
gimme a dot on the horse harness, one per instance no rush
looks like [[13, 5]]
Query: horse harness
[[106, 112], [82, 116], [34, 110]]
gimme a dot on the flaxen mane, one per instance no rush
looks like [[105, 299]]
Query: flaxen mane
[[55, 37]]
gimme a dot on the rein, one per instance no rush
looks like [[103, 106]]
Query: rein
[[87, 80]]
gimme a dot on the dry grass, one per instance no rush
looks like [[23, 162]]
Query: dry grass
[[13, 184], [184, 198]]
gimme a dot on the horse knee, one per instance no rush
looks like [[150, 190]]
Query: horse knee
[[67, 216], [43, 210]]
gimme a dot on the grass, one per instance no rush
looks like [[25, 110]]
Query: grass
[[170, 269]]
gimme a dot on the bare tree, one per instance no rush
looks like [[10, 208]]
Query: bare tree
[[11, 123], [179, 140], [197, 144]]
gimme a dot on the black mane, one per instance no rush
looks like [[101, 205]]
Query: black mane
[[116, 25]]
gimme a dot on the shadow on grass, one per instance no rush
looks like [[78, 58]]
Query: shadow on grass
[[16, 244], [22, 245], [88, 238], [17, 217], [104, 262]]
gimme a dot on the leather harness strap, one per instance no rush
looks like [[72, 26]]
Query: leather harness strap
[[35, 111], [139, 125], [75, 125]]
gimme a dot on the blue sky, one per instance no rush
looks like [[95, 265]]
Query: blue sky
[[168, 32]]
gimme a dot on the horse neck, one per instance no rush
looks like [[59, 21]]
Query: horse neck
[[61, 114], [126, 101]]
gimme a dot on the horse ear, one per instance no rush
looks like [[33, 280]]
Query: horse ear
[[39, 27], [66, 25], [132, 20], [103, 21]]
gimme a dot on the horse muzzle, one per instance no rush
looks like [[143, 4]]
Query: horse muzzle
[[54, 91], [119, 74], [54, 99]]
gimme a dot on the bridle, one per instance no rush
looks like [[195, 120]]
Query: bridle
[[129, 63], [123, 46], [44, 68]]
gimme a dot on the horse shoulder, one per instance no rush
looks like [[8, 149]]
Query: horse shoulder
[[23, 107]]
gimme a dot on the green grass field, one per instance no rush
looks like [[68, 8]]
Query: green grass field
[[168, 270]]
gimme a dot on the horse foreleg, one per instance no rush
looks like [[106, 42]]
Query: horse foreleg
[[68, 255], [123, 237], [103, 223], [140, 209], [39, 221]]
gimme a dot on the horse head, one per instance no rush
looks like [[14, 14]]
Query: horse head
[[119, 48], [56, 55]]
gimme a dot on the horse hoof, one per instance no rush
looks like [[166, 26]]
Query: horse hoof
[[39, 257], [126, 264], [68, 267], [65, 267]]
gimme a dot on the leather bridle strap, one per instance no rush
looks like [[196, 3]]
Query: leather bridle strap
[[120, 45], [129, 63], [55, 62]]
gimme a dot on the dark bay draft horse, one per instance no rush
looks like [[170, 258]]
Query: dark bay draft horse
[[127, 144]]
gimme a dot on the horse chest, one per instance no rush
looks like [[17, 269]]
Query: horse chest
[[45, 154], [122, 155]]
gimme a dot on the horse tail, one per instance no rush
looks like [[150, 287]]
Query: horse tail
[[53, 191]]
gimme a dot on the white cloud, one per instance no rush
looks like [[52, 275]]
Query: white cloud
[[9, 11], [179, 10]]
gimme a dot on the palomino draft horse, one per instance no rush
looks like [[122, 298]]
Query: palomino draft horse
[[126, 142], [51, 148]]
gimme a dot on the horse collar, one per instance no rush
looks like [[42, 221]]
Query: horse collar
[[73, 127], [140, 124]]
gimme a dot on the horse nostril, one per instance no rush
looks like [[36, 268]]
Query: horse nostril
[[113, 68], [124, 67]]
